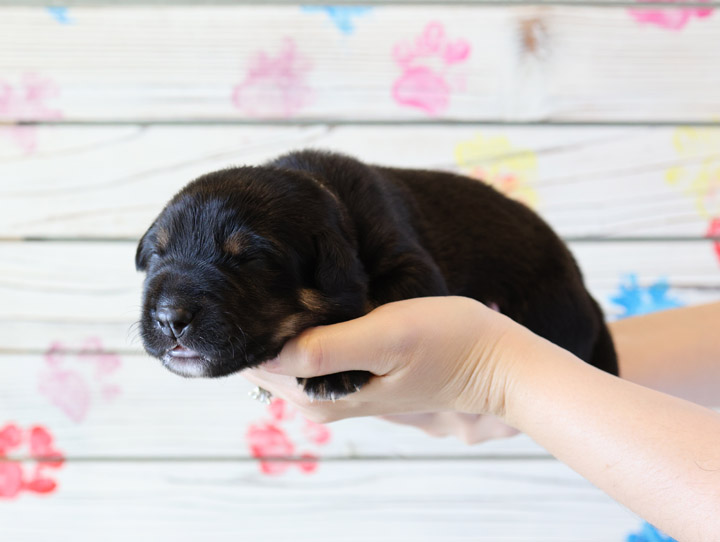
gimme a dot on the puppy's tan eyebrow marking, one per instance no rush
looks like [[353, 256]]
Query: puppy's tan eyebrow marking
[[162, 238], [243, 241], [235, 243]]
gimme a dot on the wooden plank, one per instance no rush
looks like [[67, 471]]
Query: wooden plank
[[99, 405], [110, 182], [358, 501], [55, 291], [354, 3], [70, 358], [291, 62]]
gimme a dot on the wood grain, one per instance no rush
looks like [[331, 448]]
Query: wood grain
[[111, 182], [200, 418], [58, 290], [525, 63], [605, 124], [423, 501]]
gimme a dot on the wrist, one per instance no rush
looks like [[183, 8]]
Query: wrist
[[508, 371], [534, 377], [500, 350]]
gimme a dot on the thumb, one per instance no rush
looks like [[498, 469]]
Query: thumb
[[361, 344]]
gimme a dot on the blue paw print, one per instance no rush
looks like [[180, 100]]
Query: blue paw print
[[60, 14], [649, 534], [341, 16], [637, 299]]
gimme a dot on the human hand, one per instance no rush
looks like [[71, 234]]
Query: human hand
[[428, 355]]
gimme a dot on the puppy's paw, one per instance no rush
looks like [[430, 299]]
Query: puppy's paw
[[332, 387]]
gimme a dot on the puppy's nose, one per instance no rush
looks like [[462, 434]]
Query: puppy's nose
[[173, 320]]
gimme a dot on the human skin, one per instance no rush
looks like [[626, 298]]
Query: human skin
[[657, 454], [674, 351]]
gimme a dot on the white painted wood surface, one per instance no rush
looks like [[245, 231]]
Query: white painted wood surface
[[207, 419], [129, 103], [76, 290], [358, 501], [180, 63], [110, 182], [353, 3]]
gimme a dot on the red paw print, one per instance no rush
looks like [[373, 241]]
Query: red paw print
[[272, 444], [70, 382], [714, 231], [421, 85], [13, 478]]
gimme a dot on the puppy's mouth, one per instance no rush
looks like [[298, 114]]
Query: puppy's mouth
[[186, 362]]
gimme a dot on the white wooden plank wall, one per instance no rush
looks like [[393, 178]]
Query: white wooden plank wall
[[602, 116]]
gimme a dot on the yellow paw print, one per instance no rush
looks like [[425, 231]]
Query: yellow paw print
[[699, 177], [495, 160]]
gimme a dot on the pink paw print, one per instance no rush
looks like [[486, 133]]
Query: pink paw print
[[426, 63], [13, 478], [271, 442], [26, 102], [71, 382], [275, 85], [670, 19]]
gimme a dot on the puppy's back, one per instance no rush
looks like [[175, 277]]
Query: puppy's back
[[486, 245]]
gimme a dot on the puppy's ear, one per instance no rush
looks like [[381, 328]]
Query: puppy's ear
[[148, 245], [142, 254], [338, 269]]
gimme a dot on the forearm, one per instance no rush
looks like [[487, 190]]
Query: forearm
[[657, 454], [675, 351]]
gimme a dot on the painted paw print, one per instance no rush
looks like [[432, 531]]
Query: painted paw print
[[698, 174], [270, 440], [649, 534], [636, 299], [27, 101], [70, 382], [670, 19], [426, 63], [275, 85], [13, 476], [342, 17], [714, 231], [495, 160]]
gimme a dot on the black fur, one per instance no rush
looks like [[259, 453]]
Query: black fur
[[243, 259]]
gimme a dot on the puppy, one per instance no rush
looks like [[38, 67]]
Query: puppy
[[243, 259]]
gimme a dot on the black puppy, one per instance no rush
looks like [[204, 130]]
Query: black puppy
[[243, 259]]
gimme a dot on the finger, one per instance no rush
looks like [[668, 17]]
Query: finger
[[285, 387], [326, 350], [259, 375], [366, 343]]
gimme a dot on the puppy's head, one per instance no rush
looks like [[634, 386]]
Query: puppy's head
[[240, 261]]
